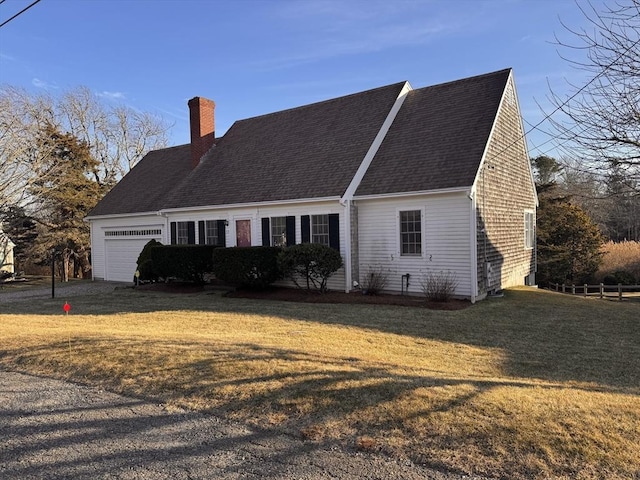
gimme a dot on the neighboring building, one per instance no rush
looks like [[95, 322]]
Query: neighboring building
[[403, 180], [6, 253]]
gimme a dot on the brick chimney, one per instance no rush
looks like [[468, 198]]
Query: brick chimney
[[203, 127]]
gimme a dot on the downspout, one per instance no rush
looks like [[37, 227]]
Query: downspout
[[473, 244], [346, 203], [347, 197]]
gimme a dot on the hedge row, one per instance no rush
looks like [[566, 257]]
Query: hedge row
[[250, 267]]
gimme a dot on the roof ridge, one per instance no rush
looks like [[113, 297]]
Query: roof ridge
[[328, 100], [466, 79]]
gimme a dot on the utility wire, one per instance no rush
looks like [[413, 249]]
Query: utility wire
[[17, 14], [559, 107]]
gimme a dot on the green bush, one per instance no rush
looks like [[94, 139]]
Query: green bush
[[620, 277], [311, 263], [248, 267], [189, 263], [145, 263]]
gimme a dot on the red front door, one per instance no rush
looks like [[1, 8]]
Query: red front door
[[243, 233]]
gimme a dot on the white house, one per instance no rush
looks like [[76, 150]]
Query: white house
[[6, 253], [405, 180]]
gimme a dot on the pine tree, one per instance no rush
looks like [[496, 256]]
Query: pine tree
[[65, 193], [568, 241]]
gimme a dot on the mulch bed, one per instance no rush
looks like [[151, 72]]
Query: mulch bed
[[303, 296]]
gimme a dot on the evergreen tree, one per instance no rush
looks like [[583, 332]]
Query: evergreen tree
[[568, 241], [65, 192]]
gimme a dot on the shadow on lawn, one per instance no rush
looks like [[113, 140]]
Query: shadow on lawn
[[315, 397], [541, 335]]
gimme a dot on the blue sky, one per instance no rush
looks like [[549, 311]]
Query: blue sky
[[259, 56]]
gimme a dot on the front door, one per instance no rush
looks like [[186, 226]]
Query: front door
[[243, 233]]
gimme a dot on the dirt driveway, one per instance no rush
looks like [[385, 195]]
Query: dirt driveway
[[51, 429]]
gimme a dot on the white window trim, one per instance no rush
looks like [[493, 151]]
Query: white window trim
[[533, 229], [271, 242], [178, 237], [423, 230], [206, 232], [311, 223]]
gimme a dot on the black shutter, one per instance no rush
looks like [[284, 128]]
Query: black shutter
[[201, 239], [305, 225], [191, 233], [334, 231], [266, 234], [222, 233], [291, 231], [174, 233]]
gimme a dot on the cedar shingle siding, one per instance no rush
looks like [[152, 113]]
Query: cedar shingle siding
[[504, 191]]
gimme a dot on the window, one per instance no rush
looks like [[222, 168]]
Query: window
[[211, 232], [132, 233], [410, 233], [279, 231], [183, 233], [320, 229], [529, 230]]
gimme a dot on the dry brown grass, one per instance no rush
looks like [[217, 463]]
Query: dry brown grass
[[622, 256], [534, 385]]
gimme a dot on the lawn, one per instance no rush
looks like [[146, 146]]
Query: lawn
[[532, 385]]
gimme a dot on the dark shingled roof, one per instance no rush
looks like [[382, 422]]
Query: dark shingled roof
[[438, 137], [305, 152], [145, 187], [436, 141]]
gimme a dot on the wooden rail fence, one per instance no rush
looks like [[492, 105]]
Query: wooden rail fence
[[601, 290]]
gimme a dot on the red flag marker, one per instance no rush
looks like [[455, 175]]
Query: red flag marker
[[66, 308]]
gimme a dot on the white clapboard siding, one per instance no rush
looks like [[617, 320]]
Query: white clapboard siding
[[446, 239]]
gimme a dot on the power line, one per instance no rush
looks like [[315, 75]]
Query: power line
[[17, 14], [559, 107]]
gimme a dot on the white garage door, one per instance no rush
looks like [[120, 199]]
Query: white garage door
[[121, 258]]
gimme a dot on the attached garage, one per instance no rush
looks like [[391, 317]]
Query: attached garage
[[121, 250]]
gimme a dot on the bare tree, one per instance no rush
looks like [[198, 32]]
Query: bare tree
[[118, 136], [599, 120]]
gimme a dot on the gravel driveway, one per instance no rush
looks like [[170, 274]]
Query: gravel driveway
[[70, 289], [51, 429]]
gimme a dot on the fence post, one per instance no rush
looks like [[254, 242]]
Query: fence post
[[620, 291], [601, 290], [585, 289], [563, 288], [573, 289]]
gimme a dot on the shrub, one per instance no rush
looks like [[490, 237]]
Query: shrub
[[439, 286], [312, 263], [374, 280], [248, 267], [619, 277], [189, 263], [145, 263], [568, 243]]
